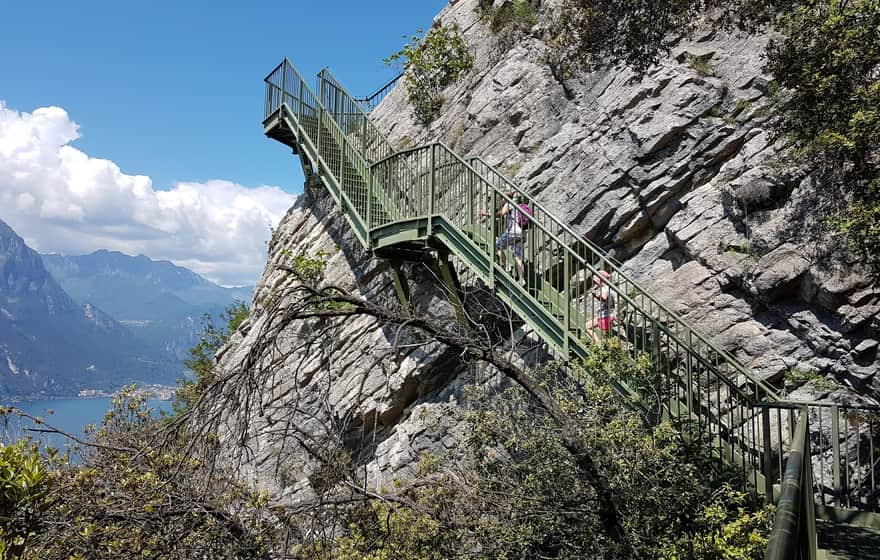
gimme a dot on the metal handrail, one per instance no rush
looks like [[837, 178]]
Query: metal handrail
[[794, 528], [616, 267], [370, 102]]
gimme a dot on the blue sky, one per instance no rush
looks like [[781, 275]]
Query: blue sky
[[172, 91]]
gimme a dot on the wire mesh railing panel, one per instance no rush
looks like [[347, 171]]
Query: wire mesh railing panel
[[342, 104], [405, 180]]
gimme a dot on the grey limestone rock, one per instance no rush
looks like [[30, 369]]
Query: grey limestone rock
[[675, 171]]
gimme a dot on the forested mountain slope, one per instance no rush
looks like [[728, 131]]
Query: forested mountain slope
[[51, 345]]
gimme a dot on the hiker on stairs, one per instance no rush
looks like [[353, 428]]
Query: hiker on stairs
[[605, 312], [511, 237]]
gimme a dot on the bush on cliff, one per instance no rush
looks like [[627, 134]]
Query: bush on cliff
[[432, 62]]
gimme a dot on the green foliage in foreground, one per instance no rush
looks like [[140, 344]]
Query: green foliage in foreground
[[432, 62], [829, 58], [517, 493], [512, 491], [24, 484], [130, 498], [201, 356]]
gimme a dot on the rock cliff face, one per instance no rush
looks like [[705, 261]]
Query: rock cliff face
[[379, 388], [676, 173]]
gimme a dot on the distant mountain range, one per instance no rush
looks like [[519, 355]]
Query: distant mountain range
[[161, 303], [97, 321], [51, 344]]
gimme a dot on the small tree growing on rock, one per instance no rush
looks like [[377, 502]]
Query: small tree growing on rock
[[432, 62]]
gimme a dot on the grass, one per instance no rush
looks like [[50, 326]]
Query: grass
[[511, 16], [701, 65], [797, 376], [511, 169]]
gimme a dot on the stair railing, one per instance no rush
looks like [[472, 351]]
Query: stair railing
[[557, 297], [599, 258], [430, 190], [794, 528], [371, 101], [332, 153], [586, 250]]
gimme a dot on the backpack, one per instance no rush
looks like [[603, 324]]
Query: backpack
[[523, 214]]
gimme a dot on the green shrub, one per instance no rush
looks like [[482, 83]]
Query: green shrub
[[828, 59], [201, 356], [515, 16], [797, 376], [24, 484], [432, 62], [308, 270]]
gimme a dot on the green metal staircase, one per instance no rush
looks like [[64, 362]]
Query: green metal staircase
[[428, 196]]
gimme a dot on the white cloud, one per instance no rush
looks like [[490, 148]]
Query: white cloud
[[61, 200]]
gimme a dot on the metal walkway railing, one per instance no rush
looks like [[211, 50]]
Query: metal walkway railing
[[430, 194]]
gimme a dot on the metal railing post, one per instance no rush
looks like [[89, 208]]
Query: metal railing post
[[342, 163], [470, 199], [369, 207], [793, 534], [283, 81], [809, 505], [431, 187], [320, 112], [364, 137], [566, 311], [493, 234], [768, 457], [835, 450], [690, 379]]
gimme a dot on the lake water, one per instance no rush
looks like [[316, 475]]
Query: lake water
[[69, 415]]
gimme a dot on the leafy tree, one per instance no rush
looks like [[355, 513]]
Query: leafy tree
[[201, 356], [139, 493], [830, 60]]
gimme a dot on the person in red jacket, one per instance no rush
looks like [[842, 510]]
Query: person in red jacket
[[605, 311]]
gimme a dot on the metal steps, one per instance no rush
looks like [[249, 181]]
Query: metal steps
[[840, 541]]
